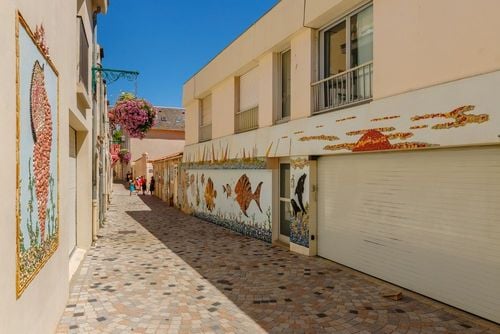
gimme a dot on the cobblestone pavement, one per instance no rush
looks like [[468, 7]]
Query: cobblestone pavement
[[156, 270]]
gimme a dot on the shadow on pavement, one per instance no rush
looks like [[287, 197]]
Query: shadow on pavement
[[282, 291]]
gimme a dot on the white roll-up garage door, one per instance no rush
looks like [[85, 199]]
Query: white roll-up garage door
[[428, 221]]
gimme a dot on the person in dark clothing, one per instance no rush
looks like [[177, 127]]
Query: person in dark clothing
[[144, 185], [152, 185]]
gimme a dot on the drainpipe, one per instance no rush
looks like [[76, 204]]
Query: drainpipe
[[94, 126]]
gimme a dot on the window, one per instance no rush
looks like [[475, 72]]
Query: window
[[83, 64], [246, 117], [346, 54], [205, 130], [285, 84]]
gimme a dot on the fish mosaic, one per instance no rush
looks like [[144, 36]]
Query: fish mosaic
[[227, 190], [299, 192], [234, 209], [244, 194], [299, 227], [210, 195]]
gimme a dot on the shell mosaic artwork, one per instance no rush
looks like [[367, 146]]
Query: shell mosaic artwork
[[37, 156], [399, 135], [345, 119], [384, 118], [319, 137], [459, 115], [416, 127]]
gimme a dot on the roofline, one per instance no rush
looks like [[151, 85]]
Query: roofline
[[169, 157], [234, 40], [176, 108]]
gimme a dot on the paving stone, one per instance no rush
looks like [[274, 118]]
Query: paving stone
[[202, 278]]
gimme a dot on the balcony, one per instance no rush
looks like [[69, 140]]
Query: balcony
[[205, 132], [246, 120], [344, 89]]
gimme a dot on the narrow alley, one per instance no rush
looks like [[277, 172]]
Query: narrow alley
[[156, 270]]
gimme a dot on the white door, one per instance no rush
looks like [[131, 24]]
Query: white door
[[71, 223], [428, 221]]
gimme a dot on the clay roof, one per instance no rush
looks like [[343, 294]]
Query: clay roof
[[170, 118]]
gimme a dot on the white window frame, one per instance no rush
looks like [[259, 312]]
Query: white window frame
[[279, 103], [347, 19]]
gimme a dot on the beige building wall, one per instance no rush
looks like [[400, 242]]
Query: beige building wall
[[223, 108], [40, 306], [192, 120], [157, 144], [423, 43], [301, 63], [267, 88]]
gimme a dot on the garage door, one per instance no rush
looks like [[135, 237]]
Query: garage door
[[428, 221]]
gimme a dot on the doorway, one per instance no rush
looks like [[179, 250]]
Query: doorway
[[285, 216]]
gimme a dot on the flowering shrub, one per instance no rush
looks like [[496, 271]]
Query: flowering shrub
[[124, 156], [134, 115]]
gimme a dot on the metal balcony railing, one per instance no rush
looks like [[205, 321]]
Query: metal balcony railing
[[246, 120], [83, 64], [205, 132], [343, 89]]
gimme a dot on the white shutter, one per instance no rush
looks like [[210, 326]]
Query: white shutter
[[249, 89], [428, 221], [206, 111]]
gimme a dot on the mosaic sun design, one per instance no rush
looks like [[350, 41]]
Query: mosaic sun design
[[374, 140]]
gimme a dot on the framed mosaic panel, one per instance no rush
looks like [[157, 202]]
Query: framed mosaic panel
[[37, 195]]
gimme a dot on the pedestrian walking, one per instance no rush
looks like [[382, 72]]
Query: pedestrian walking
[[131, 187], [144, 185], [137, 184], [152, 185]]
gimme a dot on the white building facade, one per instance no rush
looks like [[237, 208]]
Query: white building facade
[[365, 132]]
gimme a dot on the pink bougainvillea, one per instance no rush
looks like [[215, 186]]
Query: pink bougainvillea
[[134, 115], [41, 124], [124, 156]]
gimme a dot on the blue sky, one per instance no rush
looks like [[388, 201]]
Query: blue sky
[[168, 41]]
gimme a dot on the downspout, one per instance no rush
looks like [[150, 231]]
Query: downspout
[[94, 126]]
